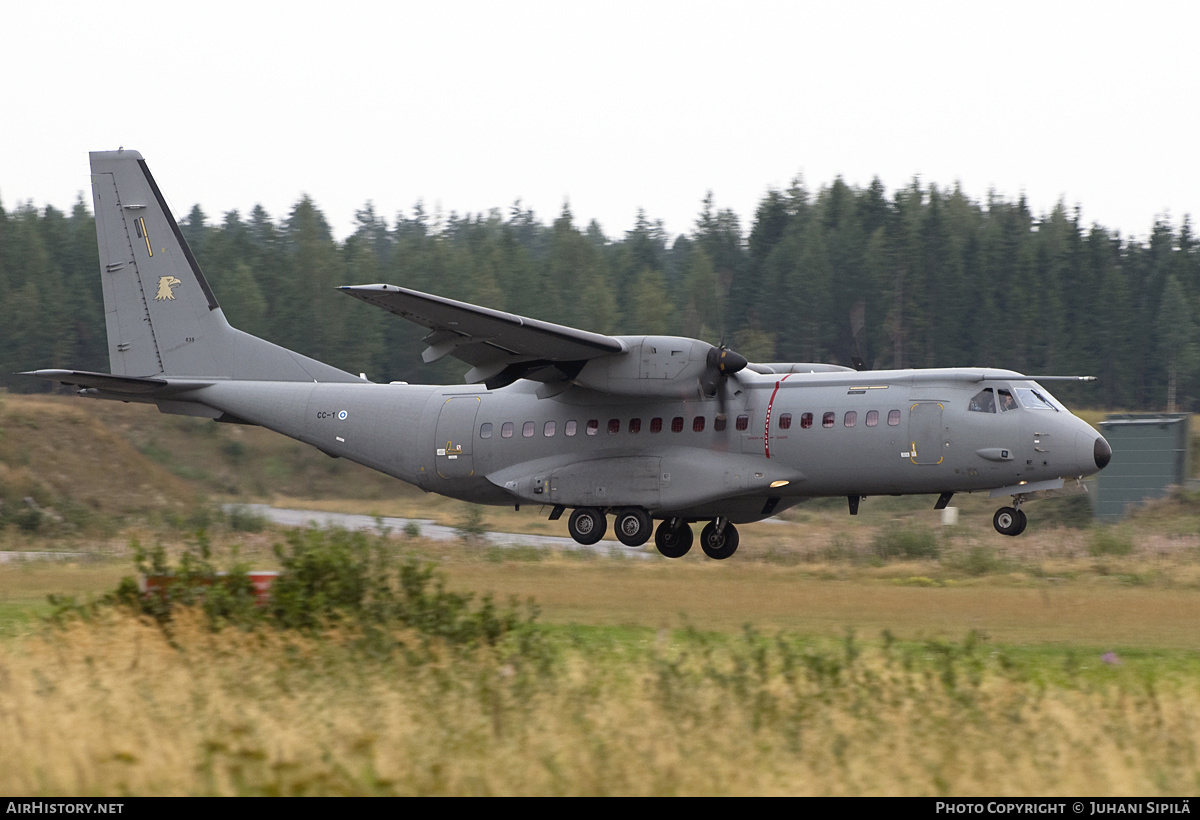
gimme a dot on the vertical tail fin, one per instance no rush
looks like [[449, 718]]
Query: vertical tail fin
[[161, 315]]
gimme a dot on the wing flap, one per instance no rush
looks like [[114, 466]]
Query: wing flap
[[496, 344]]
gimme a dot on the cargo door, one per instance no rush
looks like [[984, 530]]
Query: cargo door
[[455, 436], [926, 433]]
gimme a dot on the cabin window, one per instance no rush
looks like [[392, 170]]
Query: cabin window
[[698, 424], [1006, 401], [719, 422], [527, 429], [984, 401], [872, 418], [635, 425], [614, 426], [785, 422], [548, 430], [506, 430], [677, 424], [827, 419], [656, 425], [486, 430], [593, 427], [806, 421], [893, 418], [571, 429], [851, 418]]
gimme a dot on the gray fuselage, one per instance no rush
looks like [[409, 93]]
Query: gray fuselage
[[827, 435]]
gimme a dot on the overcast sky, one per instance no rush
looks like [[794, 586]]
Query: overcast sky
[[610, 106]]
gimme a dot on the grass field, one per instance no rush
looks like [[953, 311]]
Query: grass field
[[639, 678], [881, 654], [113, 707]]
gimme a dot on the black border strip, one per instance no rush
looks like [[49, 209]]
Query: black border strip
[[187, 252]]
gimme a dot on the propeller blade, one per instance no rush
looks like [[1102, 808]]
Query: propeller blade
[[721, 364], [725, 361]]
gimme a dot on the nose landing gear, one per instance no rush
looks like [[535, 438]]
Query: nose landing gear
[[1009, 521]]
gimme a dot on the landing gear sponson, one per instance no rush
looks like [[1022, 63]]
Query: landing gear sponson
[[673, 537]]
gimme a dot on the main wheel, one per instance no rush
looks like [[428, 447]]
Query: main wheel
[[719, 545], [1009, 521], [673, 541], [633, 526], [587, 525]]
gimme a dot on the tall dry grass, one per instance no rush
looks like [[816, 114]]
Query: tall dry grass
[[114, 707]]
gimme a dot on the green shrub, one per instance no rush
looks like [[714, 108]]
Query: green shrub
[[470, 526], [243, 519], [224, 597], [977, 560], [843, 547], [906, 544], [1110, 541], [28, 519], [330, 577], [1073, 511]]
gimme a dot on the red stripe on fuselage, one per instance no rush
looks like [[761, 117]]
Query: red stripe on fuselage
[[767, 423]]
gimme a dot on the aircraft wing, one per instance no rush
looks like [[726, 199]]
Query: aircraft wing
[[501, 347]]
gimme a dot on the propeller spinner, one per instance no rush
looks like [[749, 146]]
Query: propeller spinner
[[721, 364]]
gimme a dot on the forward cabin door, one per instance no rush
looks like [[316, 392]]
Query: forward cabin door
[[926, 433], [455, 436]]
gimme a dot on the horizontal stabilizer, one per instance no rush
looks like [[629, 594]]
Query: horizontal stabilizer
[[132, 386]]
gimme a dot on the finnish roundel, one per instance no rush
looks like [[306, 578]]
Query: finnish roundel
[[342, 415]]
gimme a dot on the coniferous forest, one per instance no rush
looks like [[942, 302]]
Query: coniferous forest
[[924, 277]]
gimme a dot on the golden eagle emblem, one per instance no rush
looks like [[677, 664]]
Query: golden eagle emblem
[[165, 283]]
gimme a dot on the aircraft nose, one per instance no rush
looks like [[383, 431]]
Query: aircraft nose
[[1092, 452]]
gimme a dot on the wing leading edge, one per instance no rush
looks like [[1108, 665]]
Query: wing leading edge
[[500, 347]]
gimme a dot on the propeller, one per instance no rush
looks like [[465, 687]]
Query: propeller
[[720, 364], [858, 319]]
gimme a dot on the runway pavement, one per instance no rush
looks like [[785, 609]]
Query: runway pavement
[[429, 529]]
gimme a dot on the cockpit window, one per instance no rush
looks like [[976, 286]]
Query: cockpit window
[[1034, 400], [984, 401], [1006, 400]]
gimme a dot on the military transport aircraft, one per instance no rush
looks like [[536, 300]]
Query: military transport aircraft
[[642, 428]]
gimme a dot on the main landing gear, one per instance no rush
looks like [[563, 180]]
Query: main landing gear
[[673, 537], [587, 525], [719, 539], [634, 526]]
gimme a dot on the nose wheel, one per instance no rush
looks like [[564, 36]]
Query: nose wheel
[[1009, 521]]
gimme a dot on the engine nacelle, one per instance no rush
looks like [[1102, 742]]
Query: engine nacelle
[[658, 366]]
